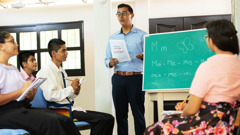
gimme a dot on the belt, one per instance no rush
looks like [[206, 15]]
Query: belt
[[127, 73]]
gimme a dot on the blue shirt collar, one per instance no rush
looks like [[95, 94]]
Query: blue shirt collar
[[132, 30]]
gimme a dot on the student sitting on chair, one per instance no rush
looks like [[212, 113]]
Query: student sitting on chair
[[28, 64], [56, 89], [215, 89], [19, 114]]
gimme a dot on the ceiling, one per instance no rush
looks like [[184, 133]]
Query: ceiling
[[35, 3], [5, 4]]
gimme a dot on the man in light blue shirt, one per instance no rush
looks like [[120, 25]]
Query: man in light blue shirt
[[127, 78]]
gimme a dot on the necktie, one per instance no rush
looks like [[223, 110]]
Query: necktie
[[64, 82]]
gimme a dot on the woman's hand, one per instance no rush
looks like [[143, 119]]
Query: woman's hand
[[180, 107], [25, 86]]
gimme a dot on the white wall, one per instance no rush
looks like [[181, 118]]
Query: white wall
[[177, 8], [237, 16], [62, 14], [143, 9]]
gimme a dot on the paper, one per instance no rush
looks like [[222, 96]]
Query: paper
[[172, 112], [119, 50], [78, 109], [168, 114], [35, 84], [82, 80]]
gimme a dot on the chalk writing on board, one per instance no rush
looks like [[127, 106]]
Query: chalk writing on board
[[158, 63], [154, 46], [171, 59], [164, 48], [185, 45], [172, 74]]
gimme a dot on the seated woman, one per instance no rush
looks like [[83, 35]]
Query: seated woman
[[214, 92], [20, 115]]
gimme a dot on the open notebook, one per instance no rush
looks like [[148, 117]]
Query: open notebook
[[35, 84], [169, 113]]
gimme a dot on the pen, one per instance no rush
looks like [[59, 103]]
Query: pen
[[68, 79], [183, 102]]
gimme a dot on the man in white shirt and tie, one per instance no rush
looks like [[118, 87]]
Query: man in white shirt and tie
[[57, 89]]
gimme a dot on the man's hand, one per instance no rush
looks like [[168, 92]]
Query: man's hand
[[30, 94], [140, 56], [113, 62], [75, 85], [77, 91]]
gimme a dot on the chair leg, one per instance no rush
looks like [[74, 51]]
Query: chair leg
[[238, 130]]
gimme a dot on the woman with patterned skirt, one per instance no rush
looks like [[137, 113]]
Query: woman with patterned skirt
[[215, 90]]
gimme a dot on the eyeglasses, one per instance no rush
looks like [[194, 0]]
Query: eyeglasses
[[124, 13], [12, 41], [205, 36]]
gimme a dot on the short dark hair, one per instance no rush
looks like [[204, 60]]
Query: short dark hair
[[3, 35], [54, 45], [224, 35], [24, 56], [126, 5]]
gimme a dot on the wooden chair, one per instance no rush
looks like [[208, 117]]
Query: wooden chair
[[237, 122]]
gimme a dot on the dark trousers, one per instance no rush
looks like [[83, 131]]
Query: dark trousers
[[19, 115], [101, 123], [128, 89]]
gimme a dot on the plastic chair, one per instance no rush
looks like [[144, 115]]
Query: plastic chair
[[13, 132], [40, 102]]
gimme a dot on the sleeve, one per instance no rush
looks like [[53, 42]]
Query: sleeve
[[68, 84], [108, 55], [51, 88], [143, 40], [2, 80], [200, 82]]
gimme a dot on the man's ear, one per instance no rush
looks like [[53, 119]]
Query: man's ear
[[132, 15], [53, 54], [24, 64]]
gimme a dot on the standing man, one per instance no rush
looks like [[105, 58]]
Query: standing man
[[57, 89], [127, 78]]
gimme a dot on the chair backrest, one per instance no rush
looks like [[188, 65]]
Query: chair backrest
[[39, 100]]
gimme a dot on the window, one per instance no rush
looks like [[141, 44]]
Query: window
[[36, 37]]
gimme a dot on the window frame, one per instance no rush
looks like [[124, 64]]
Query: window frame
[[47, 27]]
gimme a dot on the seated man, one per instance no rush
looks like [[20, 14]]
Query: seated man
[[55, 89], [28, 64]]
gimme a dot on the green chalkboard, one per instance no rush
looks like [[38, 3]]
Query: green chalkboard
[[171, 59]]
